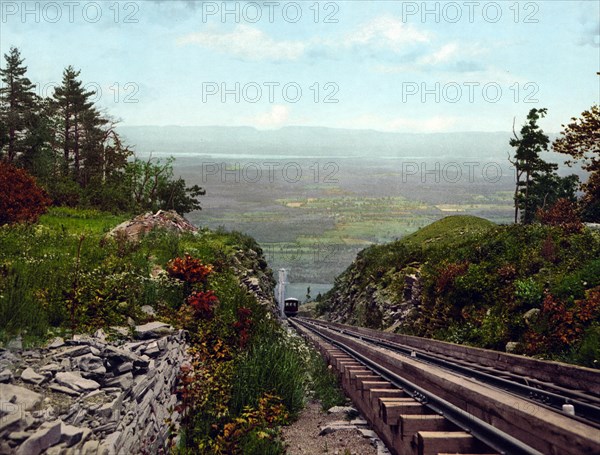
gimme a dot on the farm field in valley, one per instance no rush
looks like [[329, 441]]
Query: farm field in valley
[[314, 227]]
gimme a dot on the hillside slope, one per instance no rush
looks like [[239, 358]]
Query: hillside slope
[[530, 289], [67, 273]]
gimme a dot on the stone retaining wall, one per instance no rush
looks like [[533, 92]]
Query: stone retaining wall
[[90, 396]]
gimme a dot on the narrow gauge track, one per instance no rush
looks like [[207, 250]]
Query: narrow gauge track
[[552, 396], [476, 410]]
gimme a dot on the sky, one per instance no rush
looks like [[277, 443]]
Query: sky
[[402, 66]]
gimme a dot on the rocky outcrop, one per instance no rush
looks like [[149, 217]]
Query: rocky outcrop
[[89, 396], [254, 274], [168, 220], [384, 302]]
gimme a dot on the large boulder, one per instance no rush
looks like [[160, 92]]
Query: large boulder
[[154, 329], [46, 436], [18, 396], [142, 224], [74, 381]]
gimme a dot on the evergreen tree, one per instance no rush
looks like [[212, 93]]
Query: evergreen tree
[[75, 151], [17, 102], [548, 188], [38, 158], [73, 108], [529, 166], [3, 136], [104, 154], [91, 151]]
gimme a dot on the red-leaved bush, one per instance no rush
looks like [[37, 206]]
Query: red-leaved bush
[[448, 275], [203, 303], [562, 213], [189, 269], [21, 199], [564, 324], [243, 325]]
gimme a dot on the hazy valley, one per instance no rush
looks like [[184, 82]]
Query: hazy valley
[[314, 197]]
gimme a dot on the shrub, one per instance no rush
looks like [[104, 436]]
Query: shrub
[[562, 325], [21, 199], [448, 274], [572, 286], [203, 303], [243, 325], [189, 269], [588, 351], [528, 292], [255, 430], [562, 213], [64, 192]]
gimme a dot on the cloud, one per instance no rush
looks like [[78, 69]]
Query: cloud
[[451, 57], [274, 118], [386, 32], [250, 43], [444, 54], [247, 43], [590, 35], [589, 19]]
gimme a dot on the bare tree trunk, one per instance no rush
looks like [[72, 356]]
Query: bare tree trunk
[[66, 151], [11, 144], [76, 152], [526, 205]]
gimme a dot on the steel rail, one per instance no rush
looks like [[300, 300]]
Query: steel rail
[[585, 412], [498, 440]]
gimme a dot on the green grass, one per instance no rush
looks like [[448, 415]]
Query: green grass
[[360, 222], [477, 281], [41, 275], [324, 384], [79, 221], [274, 364], [450, 230]]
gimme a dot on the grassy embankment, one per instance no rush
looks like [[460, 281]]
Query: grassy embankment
[[247, 376], [487, 285]]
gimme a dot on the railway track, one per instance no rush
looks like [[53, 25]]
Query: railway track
[[425, 397]]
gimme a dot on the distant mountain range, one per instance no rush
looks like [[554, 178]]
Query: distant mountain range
[[315, 141]]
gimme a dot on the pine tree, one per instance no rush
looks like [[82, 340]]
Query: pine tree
[[75, 151], [91, 156], [73, 107], [104, 153], [38, 157], [91, 148], [17, 104], [529, 166]]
